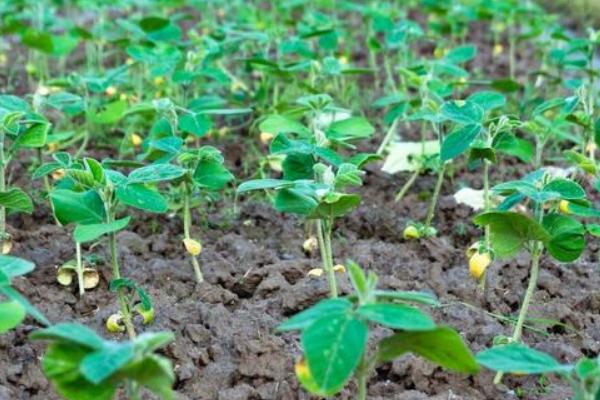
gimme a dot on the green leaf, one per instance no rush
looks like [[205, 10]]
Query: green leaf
[[350, 129], [397, 316], [155, 173], [487, 100], [506, 85], [34, 136], [12, 294], [461, 54], [155, 373], [276, 124], [212, 174], [442, 346], [70, 333], [566, 188], [518, 358], [567, 239], [510, 231], [196, 124], [458, 141], [295, 201], [38, 40], [11, 315], [61, 365], [462, 112], [77, 207], [263, 184], [335, 205], [358, 278], [109, 113], [101, 364], [142, 197], [333, 348], [407, 296], [16, 199], [12, 267], [88, 233], [325, 308]]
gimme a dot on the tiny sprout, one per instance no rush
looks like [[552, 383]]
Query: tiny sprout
[[563, 206], [7, 245], [65, 273], [114, 323], [315, 272], [339, 268], [193, 247], [136, 140], [411, 232], [159, 81]]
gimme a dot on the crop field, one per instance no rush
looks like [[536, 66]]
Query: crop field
[[299, 199]]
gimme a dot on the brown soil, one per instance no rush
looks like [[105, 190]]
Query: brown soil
[[226, 347]]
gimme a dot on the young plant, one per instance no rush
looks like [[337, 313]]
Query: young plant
[[315, 176], [20, 128], [335, 334], [90, 195], [15, 307], [83, 365], [550, 226], [584, 375]]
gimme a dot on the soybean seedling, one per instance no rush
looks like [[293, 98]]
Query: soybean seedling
[[15, 307], [584, 375], [314, 174], [20, 128], [330, 360], [550, 226], [82, 364], [90, 195]]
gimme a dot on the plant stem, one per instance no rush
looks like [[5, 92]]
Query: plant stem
[[407, 186], [486, 206], [187, 220], [436, 194], [533, 278], [324, 238], [362, 386], [2, 189], [79, 269], [123, 306], [388, 136]]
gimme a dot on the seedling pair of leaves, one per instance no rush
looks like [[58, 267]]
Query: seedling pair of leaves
[[584, 375], [315, 175], [91, 193], [203, 171], [15, 307], [83, 366], [334, 335]]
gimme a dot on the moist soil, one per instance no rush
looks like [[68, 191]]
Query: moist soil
[[255, 269]]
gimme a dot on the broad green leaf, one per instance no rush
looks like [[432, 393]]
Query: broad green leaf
[[101, 364], [77, 207], [518, 358], [487, 100], [263, 184], [155, 173], [567, 239], [298, 166], [61, 365], [333, 347], [38, 40], [46, 169], [506, 85], [295, 201], [212, 175], [148, 342], [513, 146], [566, 188], [336, 205], [442, 346], [325, 308], [196, 124], [12, 267], [458, 141], [33, 137], [142, 197], [407, 297], [88, 233], [11, 315], [397, 316], [70, 333], [155, 373], [461, 54], [510, 231], [109, 113], [462, 112], [16, 199], [350, 129], [358, 278], [276, 124], [12, 294]]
